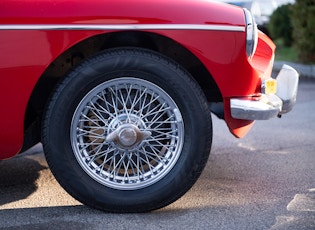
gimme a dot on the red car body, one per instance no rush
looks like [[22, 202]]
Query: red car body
[[217, 44], [34, 34]]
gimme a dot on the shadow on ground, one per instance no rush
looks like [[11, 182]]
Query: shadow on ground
[[16, 177]]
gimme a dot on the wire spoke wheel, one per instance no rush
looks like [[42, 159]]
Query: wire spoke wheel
[[127, 133], [128, 130]]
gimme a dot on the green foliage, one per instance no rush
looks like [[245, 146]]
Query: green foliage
[[280, 25], [303, 22], [284, 53]]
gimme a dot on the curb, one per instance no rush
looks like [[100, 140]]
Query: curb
[[303, 70]]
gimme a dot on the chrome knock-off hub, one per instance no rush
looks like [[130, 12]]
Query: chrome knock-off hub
[[127, 136]]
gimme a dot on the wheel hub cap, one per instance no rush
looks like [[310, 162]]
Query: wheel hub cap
[[127, 136]]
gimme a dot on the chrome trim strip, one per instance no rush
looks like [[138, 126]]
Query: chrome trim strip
[[121, 27]]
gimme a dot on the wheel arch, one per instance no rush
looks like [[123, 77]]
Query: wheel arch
[[89, 47]]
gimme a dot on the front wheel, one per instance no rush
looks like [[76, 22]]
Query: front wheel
[[127, 131]]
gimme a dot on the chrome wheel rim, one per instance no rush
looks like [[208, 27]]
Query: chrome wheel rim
[[127, 133]]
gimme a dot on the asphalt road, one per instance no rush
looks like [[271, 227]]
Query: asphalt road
[[263, 181]]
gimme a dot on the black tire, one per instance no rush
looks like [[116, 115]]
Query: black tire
[[127, 131]]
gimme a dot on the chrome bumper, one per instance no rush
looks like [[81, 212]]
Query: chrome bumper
[[272, 105]]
